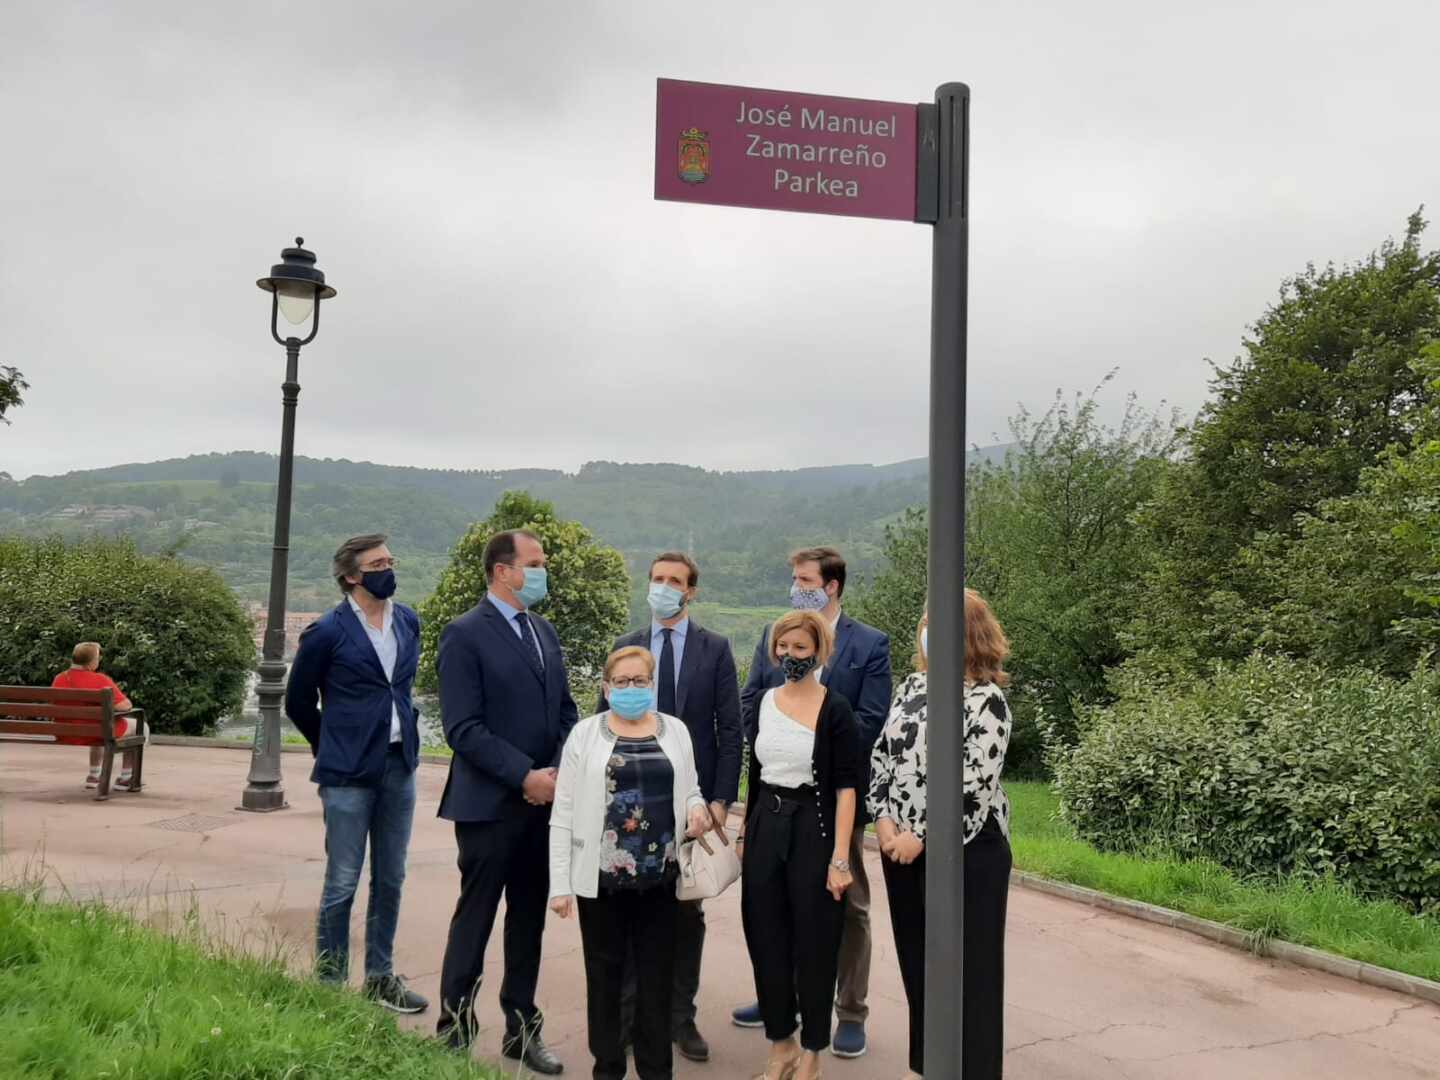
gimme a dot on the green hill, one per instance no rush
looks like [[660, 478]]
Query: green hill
[[219, 509]]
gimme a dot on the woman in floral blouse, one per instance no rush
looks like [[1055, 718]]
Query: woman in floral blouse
[[626, 795], [897, 804]]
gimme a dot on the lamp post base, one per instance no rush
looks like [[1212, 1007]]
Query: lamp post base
[[263, 798]]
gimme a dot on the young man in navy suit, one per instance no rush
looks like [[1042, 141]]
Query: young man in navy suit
[[349, 694], [695, 680], [858, 670], [506, 707]]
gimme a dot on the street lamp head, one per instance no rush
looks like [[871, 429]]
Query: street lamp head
[[296, 283]]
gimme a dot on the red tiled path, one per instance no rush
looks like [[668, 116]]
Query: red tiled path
[[1089, 994]]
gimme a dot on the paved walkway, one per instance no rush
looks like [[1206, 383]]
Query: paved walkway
[[1088, 994]]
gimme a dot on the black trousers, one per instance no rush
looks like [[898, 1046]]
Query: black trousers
[[987, 887], [792, 924], [689, 947], [509, 857], [617, 929]]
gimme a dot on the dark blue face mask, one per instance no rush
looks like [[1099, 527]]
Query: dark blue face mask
[[379, 583]]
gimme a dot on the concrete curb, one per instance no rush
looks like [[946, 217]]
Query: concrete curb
[[1299, 955], [208, 743]]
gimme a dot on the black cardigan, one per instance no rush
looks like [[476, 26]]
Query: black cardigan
[[838, 761]]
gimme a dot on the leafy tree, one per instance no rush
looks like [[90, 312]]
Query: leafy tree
[[174, 635], [588, 585], [894, 600], [1360, 583], [12, 388], [1052, 544], [1325, 386], [230, 478], [1065, 546]]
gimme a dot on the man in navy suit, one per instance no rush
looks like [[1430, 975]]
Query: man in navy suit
[[858, 670], [695, 680], [506, 708], [349, 694]]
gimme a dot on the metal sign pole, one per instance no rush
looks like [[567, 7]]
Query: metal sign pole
[[947, 129]]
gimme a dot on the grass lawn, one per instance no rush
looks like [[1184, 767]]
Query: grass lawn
[[1318, 914], [87, 992]]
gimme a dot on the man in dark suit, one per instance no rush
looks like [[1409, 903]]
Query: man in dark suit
[[695, 680], [506, 708], [349, 694], [858, 670]]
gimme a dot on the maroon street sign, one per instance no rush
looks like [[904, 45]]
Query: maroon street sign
[[774, 150]]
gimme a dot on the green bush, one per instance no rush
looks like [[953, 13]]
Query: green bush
[[174, 636], [1272, 768]]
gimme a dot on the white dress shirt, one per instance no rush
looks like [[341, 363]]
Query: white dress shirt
[[387, 649]]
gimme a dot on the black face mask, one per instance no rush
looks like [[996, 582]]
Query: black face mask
[[379, 583], [796, 668]]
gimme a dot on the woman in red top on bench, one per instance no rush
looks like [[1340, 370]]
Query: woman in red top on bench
[[85, 674]]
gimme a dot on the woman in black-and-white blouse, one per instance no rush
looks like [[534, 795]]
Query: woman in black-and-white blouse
[[896, 802]]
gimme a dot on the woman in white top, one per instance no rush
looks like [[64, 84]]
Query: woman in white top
[[626, 792], [898, 777], [805, 765]]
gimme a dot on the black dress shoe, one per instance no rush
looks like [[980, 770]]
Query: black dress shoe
[[531, 1050], [691, 1043]]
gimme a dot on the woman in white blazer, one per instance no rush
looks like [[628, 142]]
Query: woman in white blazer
[[626, 794]]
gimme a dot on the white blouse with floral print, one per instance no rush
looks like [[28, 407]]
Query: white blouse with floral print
[[898, 767]]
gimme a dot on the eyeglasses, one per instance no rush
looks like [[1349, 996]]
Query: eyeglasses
[[378, 564], [641, 682]]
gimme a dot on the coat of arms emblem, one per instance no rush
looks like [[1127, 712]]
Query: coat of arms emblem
[[694, 156]]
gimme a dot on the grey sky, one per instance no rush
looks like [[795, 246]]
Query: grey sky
[[476, 179]]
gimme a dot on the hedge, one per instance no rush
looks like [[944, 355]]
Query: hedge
[[173, 634], [1272, 768]]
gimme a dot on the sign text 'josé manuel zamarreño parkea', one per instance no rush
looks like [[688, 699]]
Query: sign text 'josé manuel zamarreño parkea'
[[740, 146]]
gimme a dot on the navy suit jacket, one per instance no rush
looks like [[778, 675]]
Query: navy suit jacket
[[503, 713], [339, 698], [708, 700], [859, 671]]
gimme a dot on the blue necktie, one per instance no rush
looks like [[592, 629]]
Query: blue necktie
[[527, 634]]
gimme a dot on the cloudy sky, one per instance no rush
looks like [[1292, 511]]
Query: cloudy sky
[[476, 180]]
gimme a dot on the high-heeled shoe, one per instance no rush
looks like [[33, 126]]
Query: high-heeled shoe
[[783, 1069]]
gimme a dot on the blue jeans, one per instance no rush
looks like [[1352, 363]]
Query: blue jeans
[[383, 814]]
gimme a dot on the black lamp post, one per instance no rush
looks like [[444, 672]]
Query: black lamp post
[[296, 288]]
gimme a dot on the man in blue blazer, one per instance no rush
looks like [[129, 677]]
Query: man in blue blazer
[[696, 681], [858, 670], [506, 707], [349, 694]]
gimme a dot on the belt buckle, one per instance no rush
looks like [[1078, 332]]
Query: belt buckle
[[778, 804]]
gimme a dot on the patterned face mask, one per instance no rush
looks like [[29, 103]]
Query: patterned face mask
[[796, 667], [808, 599]]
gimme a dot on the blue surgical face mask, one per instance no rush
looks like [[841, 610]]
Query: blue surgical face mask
[[379, 583], [665, 601], [632, 702], [808, 599], [536, 587]]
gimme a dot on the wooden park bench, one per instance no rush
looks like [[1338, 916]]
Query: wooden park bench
[[33, 713]]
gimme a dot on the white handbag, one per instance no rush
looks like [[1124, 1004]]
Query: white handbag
[[707, 870]]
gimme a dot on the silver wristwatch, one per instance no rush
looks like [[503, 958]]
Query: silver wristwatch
[[840, 864]]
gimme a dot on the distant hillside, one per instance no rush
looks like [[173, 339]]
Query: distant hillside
[[219, 509]]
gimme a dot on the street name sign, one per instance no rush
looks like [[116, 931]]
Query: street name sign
[[775, 150]]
